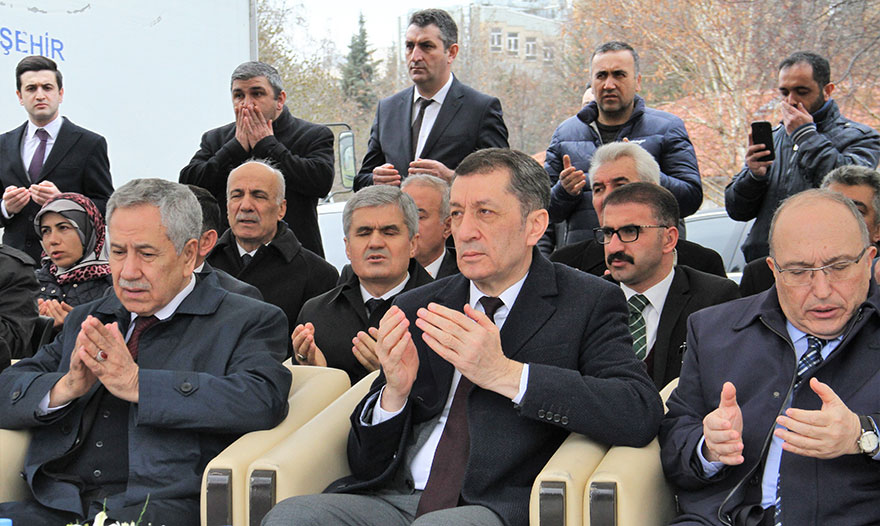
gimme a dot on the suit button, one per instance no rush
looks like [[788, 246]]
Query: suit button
[[74, 285], [541, 413], [65, 428], [549, 417], [97, 473], [186, 387], [556, 418], [99, 443], [16, 395], [106, 414], [29, 243], [565, 420]]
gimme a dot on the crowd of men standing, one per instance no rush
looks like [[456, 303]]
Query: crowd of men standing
[[490, 353]]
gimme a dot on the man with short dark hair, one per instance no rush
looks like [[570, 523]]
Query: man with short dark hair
[[381, 227], [207, 241], [265, 129], [45, 156], [813, 139], [616, 114], [485, 373], [639, 234], [774, 420], [430, 127], [612, 166], [431, 195], [260, 249], [143, 387]]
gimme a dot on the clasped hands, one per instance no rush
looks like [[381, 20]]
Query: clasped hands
[[468, 340], [16, 197], [306, 352], [100, 353], [57, 310], [829, 432], [250, 125], [388, 174]]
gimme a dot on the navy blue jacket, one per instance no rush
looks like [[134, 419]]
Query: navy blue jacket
[[746, 342], [661, 133]]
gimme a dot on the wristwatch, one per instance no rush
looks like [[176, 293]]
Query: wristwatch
[[868, 442]]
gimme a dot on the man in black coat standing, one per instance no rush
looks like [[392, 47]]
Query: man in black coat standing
[[45, 156], [265, 129], [381, 235]]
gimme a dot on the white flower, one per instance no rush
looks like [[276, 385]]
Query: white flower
[[100, 518]]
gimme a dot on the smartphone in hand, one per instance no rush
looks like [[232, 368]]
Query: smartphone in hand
[[762, 133]]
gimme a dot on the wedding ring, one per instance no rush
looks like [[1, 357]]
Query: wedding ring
[[300, 357]]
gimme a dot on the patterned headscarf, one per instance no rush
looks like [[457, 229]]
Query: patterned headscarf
[[89, 224]]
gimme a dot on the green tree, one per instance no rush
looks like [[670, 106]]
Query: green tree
[[357, 73]]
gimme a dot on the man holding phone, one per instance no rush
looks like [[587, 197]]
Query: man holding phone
[[813, 139]]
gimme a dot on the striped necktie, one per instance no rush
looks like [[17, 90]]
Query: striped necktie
[[637, 327]]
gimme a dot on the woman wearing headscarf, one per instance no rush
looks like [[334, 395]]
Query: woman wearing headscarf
[[74, 269]]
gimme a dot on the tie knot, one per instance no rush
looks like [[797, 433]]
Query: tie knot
[[424, 103], [373, 304], [491, 304], [814, 343], [637, 303], [142, 323], [42, 134], [245, 259]]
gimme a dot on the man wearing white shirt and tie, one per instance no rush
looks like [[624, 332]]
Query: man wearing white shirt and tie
[[485, 373], [45, 156], [430, 127]]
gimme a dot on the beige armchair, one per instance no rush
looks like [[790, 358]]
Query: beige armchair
[[314, 456], [628, 487], [225, 483], [13, 447]]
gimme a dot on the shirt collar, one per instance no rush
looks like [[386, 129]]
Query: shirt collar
[[438, 97], [169, 309], [657, 294], [508, 296], [242, 251], [52, 128], [799, 341], [388, 295], [433, 267]]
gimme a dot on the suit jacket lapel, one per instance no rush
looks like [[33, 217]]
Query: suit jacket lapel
[[67, 137], [399, 120], [531, 310], [12, 151], [450, 107], [676, 299]]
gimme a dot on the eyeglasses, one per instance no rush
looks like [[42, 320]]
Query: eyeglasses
[[626, 233], [837, 271]]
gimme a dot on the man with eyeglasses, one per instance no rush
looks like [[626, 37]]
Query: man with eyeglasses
[[778, 391], [614, 165], [639, 236]]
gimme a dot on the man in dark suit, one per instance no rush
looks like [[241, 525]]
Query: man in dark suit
[[639, 234], [430, 127], [45, 156], [381, 227], [144, 386], [614, 165], [431, 195], [261, 250], [18, 303], [265, 129], [485, 373], [207, 241]]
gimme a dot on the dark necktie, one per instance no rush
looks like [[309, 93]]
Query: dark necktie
[[141, 323], [443, 488], [245, 259], [637, 326], [417, 124], [809, 361], [36, 165], [373, 304]]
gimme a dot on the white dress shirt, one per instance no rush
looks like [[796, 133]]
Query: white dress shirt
[[656, 299], [388, 295], [421, 464], [434, 267], [430, 115], [29, 145]]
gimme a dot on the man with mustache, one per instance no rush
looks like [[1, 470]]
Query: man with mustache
[[611, 166], [430, 127], [260, 249], [639, 233], [145, 385], [774, 420], [381, 226], [616, 114], [813, 139]]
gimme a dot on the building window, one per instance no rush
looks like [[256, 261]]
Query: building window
[[548, 53], [513, 43], [531, 48], [495, 39]]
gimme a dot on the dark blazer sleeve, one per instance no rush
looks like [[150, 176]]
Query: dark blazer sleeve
[[309, 171], [493, 131], [374, 157], [219, 152], [97, 182], [18, 307]]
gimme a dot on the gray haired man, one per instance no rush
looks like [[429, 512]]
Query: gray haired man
[[265, 129]]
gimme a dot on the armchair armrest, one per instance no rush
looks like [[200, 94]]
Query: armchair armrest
[[557, 494], [308, 460], [224, 483], [628, 487], [13, 448]]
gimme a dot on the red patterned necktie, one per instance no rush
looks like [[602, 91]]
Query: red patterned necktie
[[141, 324]]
